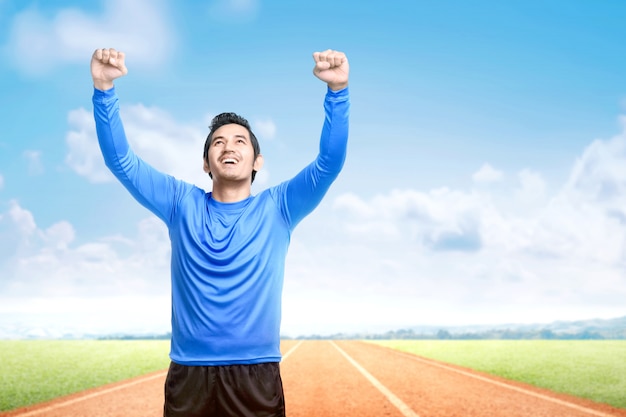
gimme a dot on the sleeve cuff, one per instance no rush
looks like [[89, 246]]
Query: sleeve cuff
[[338, 95], [103, 95]]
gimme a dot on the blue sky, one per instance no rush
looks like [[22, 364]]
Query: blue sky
[[485, 180]]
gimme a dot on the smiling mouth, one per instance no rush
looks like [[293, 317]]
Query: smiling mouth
[[230, 161]]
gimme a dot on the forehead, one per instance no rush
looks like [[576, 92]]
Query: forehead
[[231, 130]]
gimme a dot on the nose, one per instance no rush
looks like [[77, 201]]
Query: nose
[[227, 146]]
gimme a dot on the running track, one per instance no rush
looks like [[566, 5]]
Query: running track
[[349, 378]]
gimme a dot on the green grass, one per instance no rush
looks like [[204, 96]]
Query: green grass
[[40, 370], [595, 370]]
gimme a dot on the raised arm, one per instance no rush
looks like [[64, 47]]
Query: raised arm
[[305, 191], [153, 189]]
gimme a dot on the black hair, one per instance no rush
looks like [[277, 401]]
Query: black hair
[[226, 119]]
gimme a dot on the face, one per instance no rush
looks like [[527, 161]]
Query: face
[[231, 155]]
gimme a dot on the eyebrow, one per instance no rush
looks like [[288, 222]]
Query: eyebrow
[[223, 137]]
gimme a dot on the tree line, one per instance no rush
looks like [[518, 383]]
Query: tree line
[[505, 334]]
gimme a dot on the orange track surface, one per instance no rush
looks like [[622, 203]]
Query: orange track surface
[[349, 378]]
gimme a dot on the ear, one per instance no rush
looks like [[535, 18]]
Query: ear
[[258, 163], [206, 167]]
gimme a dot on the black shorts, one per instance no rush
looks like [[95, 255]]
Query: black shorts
[[229, 390]]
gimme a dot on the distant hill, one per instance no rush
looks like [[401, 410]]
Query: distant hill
[[592, 329]]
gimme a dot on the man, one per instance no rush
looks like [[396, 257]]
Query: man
[[228, 246]]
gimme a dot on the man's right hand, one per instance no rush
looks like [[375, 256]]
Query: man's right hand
[[106, 66]]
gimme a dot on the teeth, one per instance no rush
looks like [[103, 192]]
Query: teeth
[[229, 161]]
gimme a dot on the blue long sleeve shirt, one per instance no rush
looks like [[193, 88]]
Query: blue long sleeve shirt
[[228, 259]]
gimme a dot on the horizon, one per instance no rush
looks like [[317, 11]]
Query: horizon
[[421, 330]]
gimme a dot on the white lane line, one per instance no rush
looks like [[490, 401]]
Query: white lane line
[[400, 405], [505, 385], [93, 395], [112, 389], [290, 351]]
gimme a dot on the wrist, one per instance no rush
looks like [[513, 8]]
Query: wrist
[[337, 86], [103, 84]]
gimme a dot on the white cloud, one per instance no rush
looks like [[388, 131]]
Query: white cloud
[[600, 173], [38, 43], [487, 174], [22, 219], [475, 252], [442, 219], [25, 234], [532, 187], [1, 182], [48, 262], [154, 136], [83, 154], [264, 129], [33, 158], [170, 146]]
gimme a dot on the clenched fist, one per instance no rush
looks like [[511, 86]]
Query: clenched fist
[[332, 67], [106, 66]]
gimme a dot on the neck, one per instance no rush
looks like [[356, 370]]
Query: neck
[[230, 193]]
